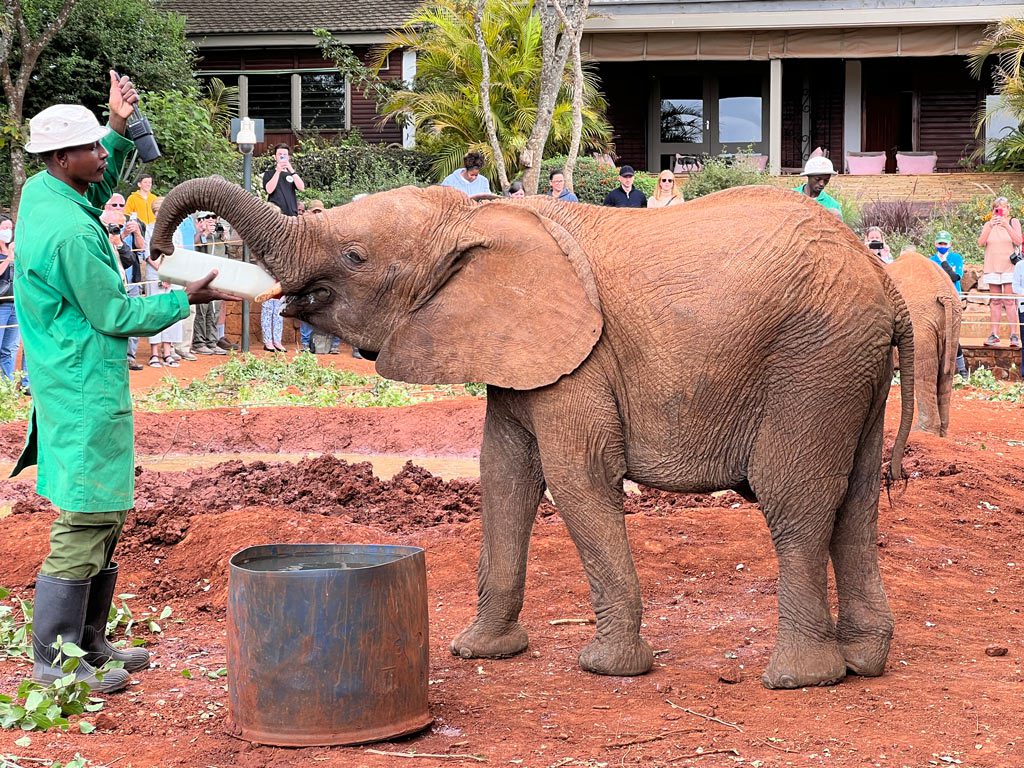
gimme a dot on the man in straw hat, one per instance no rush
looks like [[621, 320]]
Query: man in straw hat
[[76, 317]]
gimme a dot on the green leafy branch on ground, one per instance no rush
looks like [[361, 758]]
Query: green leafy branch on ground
[[15, 631], [39, 706], [987, 387], [121, 616]]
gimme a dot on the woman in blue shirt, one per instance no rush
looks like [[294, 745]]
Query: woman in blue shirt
[[952, 263]]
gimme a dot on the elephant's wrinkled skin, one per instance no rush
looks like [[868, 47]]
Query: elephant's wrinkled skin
[[935, 311], [739, 341]]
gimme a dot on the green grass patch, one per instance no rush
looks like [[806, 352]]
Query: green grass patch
[[247, 380]]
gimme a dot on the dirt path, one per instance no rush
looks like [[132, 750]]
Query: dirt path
[[949, 549]]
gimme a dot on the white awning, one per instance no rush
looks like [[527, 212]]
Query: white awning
[[754, 45]]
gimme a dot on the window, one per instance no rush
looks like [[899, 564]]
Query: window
[[739, 110], [270, 97], [682, 110], [323, 101]]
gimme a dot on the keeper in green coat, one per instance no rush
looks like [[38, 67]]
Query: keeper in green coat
[[76, 317]]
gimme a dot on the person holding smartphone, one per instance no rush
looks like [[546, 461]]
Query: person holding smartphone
[[1001, 238], [282, 182]]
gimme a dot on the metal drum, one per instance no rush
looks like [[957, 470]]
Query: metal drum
[[327, 643]]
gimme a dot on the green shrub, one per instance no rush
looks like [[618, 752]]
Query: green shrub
[[591, 180], [716, 175]]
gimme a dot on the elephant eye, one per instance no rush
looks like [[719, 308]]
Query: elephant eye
[[354, 257]]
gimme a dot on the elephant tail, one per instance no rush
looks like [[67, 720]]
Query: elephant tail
[[948, 338], [903, 340]]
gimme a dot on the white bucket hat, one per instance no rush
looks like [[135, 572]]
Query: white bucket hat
[[61, 126], [818, 166]]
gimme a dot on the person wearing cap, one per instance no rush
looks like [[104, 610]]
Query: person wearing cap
[[819, 171], [75, 318], [952, 263], [624, 195]]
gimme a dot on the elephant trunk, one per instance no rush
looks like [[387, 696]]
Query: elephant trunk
[[272, 236]]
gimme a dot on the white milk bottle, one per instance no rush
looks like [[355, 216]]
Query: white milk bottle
[[247, 281]]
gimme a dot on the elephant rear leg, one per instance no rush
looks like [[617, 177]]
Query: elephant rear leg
[[865, 625], [511, 488], [800, 482]]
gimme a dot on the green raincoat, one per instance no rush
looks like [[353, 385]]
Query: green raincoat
[[76, 317]]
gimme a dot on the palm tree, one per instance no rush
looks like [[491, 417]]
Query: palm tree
[[445, 103], [1005, 41], [221, 102]]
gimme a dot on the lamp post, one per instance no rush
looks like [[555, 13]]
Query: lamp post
[[246, 133]]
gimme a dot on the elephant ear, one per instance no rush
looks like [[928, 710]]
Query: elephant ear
[[514, 305]]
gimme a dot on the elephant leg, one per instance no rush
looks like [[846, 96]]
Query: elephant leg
[[943, 394], [927, 371], [865, 622], [587, 489], [800, 482], [511, 488]]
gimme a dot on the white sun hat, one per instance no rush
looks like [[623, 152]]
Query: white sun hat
[[818, 166], [61, 126]]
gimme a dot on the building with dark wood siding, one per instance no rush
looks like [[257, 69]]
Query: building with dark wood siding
[[779, 78], [683, 78], [270, 52]]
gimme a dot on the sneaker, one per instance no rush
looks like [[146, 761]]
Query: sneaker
[[176, 356], [1015, 341], [202, 349], [963, 374], [223, 343], [189, 356], [992, 341], [218, 351], [133, 366], [356, 354]]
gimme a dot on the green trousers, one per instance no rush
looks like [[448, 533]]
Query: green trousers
[[82, 543]]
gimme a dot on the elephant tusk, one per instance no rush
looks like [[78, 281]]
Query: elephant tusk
[[271, 293]]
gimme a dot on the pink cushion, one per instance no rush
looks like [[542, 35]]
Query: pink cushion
[[860, 165], [916, 163]]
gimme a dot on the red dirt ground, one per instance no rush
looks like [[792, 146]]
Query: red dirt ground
[[949, 550]]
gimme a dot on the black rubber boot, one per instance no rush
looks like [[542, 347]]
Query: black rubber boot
[[94, 634], [961, 367], [60, 610]]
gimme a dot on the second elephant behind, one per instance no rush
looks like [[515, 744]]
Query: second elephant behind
[[935, 312]]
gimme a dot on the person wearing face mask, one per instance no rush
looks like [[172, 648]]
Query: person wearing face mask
[[10, 337], [952, 263]]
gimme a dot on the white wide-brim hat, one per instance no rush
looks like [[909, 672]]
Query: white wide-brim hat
[[62, 126], [818, 166]]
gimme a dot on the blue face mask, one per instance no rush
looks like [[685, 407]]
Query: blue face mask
[[943, 249]]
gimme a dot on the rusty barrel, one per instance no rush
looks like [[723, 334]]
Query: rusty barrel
[[327, 643]]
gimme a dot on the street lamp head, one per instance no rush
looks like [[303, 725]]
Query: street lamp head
[[246, 138]]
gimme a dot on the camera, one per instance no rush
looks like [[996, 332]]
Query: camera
[[1015, 257], [876, 245], [114, 229], [140, 131]]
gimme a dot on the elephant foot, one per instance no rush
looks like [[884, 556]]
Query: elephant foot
[[803, 664], [608, 657], [475, 642], [866, 656]]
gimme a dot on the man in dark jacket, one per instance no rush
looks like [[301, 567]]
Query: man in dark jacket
[[624, 196]]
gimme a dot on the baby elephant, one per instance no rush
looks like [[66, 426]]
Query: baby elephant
[[935, 312]]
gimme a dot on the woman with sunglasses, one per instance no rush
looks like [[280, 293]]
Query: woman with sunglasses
[[666, 192], [1001, 238]]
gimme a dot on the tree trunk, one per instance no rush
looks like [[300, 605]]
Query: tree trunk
[[555, 45], [576, 34], [485, 95], [15, 88]]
